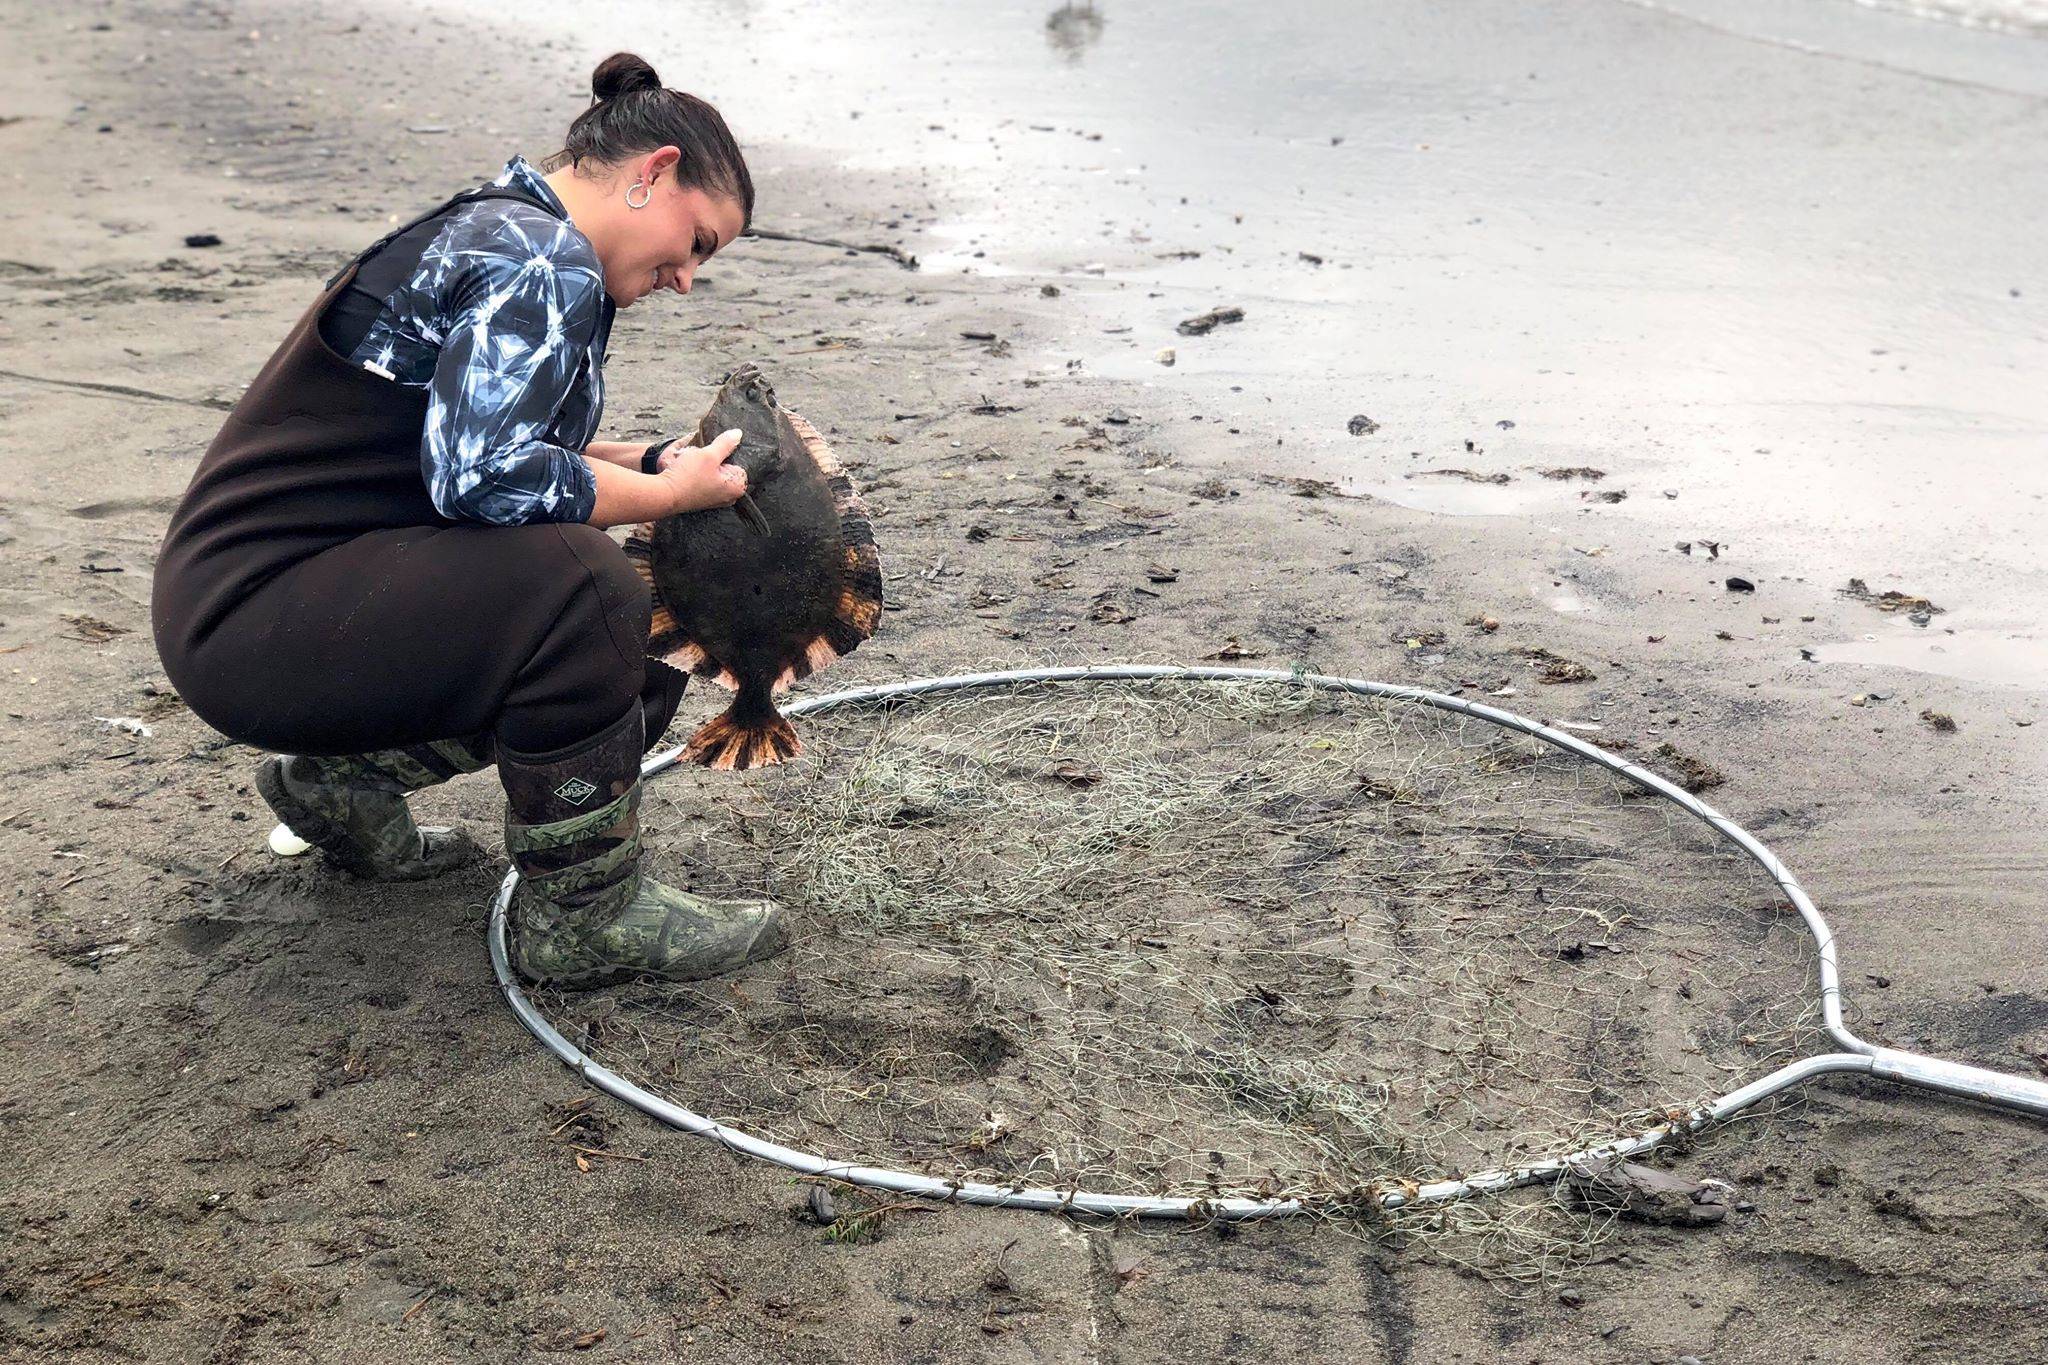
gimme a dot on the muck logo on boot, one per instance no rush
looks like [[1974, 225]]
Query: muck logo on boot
[[575, 791]]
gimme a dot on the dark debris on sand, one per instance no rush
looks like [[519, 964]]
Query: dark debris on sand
[[1694, 774], [1204, 323], [1552, 667], [1890, 600]]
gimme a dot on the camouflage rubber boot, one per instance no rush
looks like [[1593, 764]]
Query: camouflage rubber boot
[[583, 914], [353, 808]]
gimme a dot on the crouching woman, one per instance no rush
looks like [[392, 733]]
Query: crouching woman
[[390, 567]]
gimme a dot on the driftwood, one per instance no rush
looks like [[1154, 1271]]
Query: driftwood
[[896, 254]]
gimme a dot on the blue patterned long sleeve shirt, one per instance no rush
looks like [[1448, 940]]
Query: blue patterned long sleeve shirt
[[504, 323]]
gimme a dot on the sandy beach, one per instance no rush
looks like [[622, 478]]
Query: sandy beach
[[1774, 273]]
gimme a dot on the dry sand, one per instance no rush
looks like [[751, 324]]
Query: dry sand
[[250, 1111]]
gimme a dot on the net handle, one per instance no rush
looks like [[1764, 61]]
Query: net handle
[[2018, 1093]]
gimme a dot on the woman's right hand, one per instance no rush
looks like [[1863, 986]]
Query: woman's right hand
[[700, 476]]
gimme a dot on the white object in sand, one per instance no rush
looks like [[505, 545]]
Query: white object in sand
[[286, 844]]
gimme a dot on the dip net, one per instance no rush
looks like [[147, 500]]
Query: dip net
[[1204, 940]]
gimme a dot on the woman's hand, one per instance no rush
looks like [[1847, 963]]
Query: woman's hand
[[689, 479], [700, 476]]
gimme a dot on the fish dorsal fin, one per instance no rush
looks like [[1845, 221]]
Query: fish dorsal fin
[[814, 443], [690, 657], [666, 638], [639, 548], [858, 609]]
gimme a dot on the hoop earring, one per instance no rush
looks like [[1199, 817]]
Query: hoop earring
[[646, 196]]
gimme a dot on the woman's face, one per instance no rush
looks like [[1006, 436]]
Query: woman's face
[[661, 245]]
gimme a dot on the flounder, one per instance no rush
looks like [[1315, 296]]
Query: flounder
[[768, 591]]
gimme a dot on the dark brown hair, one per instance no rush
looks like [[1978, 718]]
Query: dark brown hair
[[632, 112]]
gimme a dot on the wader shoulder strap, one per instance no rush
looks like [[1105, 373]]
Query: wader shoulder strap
[[445, 207], [350, 311]]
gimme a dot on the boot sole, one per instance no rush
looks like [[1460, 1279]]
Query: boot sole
[[317, 830]]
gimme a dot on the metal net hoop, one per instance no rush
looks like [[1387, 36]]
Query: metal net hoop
[[1857, 1056]]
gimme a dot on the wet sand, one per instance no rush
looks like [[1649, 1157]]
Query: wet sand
[[254, 1112], [1801, 322]]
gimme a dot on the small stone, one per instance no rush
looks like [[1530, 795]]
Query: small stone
[[1166, 356], [1361, 425], [200, 239], [1741, 585], [1646, 1194], [1570, 1298]]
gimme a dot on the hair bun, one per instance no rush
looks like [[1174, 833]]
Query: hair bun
[[622, 73]]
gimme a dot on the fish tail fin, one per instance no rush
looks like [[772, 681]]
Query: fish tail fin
[[665, 637], [750, 733], [858, 609]]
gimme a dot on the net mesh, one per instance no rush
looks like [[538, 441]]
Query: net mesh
[[1202, 939]]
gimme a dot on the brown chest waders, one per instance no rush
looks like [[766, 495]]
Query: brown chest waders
[[310, 599]]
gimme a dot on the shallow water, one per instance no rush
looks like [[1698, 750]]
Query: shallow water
[[1777, 268], [2011, 16], [2017, 658]]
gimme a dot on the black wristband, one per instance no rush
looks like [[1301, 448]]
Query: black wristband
[[650, 462]]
